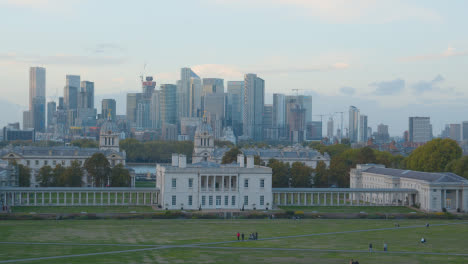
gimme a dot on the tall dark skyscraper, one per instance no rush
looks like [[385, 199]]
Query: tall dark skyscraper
[[51, 109], [70, 92], [254, 94], [168, 106], [87, 94], [36, 116]]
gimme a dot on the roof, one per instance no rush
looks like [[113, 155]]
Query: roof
[[433, 177], [277, 153], [57, 151], [342, 190]]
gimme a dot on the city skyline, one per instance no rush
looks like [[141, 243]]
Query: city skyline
[[352, 55]]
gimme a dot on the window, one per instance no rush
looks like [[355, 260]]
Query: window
[[54, 162], [226, 200], [210, 200], [262, 199], [174, 201], [246, 200], [174, 183], [262, 183], [190, 183], [37, 162], [233, 200], [203, 200], [63, 162], [190, 200], [28, 162], [45, 162], [246, 183], [218, 200]]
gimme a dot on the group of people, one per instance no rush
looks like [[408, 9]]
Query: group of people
[[6, 208], [252, 236], [353, 262]]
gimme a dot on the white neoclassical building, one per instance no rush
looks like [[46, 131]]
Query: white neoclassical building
[[209, 185], [435, 191]]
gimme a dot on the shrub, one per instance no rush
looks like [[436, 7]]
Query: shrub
[[300, 213]]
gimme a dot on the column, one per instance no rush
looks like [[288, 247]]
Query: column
[[144, 198], [152, 195], [73, 200], [115, 201], [123, 198], [331, 198], [325, 198], [108, 198], [101, 198], [65, 198], [130, 198], [50, 197], [79, 198], [318, 198], [86, 197], [137, 198], [456, 199], [43, 198], [285, 198], [94, 198], [305, 198]]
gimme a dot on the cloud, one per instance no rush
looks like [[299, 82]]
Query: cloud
[[427, 86], [449, 52], [62, 59], [345, 11], [388, 87], [347, 90]]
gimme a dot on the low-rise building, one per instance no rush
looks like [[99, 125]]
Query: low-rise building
[[435, 191], [209, 185]]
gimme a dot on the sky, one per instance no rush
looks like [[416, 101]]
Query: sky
[[391, 59]]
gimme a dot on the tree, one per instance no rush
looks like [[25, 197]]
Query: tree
[[321, 175], [98, 169], [459, 166], [301, 175], [73, 175], [257, 160], [59, 176], [85, 143], [24, 176], [365, 155], [231, 156], [339, 171], [46, 177], [120, 177], [280, 173], [434, 156]]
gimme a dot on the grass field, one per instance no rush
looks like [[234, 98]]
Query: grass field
[[145, 184], [350, 209], [184, 241], [79, 209]]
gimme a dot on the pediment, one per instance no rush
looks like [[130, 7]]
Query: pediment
[[12, 155]]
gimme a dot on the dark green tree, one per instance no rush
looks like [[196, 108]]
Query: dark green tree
[[459, 166], [365, 155], [46, 177], [73, 175], [98, 169], [301, 175], [59, 176], [321, 175], [85, 143], [231, 156], [434, 156], [24, 176], [280, 173], [120, 177]]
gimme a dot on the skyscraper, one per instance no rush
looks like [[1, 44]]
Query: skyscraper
[[455, 132], [168, 105], [306, 103], [87, 94], [353, 124], [213, 85], [51, 109], [465, 130], [330, 129], [279, 115], [148, 87], [254, 93], [109, 107], [420, 129], [132, 104], [70, 92], [156, 109], [195, 97], [363, 128], [188, 86], [235, 105], [37, 101]]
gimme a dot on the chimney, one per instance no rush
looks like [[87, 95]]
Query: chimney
[[175, 160], [240, 160], [182, 161], [250, 162]]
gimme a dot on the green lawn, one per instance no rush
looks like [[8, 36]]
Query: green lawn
[[79, 209], [350, 209], [145, 184], [443, 239]]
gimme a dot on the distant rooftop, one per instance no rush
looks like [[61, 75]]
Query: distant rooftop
[[434, 177]]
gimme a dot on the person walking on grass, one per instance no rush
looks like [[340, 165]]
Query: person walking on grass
[[238, 235], [385, 247], [242, 235], [370, 247]]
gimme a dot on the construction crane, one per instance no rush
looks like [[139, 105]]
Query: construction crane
[[143, 72], [297, 90], [341, 130]]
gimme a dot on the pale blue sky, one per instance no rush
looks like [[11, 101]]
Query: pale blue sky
[[391, 59]]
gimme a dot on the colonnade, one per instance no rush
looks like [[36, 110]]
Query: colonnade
[[342, 197], [78, 196]]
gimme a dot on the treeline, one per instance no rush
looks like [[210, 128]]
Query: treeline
[[155, 151], [97, 167]]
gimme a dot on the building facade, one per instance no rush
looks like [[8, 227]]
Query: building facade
[[420, 129], [208, 185], [254, 94], [353, 124], [435, 191]]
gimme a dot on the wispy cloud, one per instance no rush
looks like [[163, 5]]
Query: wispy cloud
[[62, 59], [388, 87], [347, 90], [427, 86], [449, 52], [306, 69], [345, 11]]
